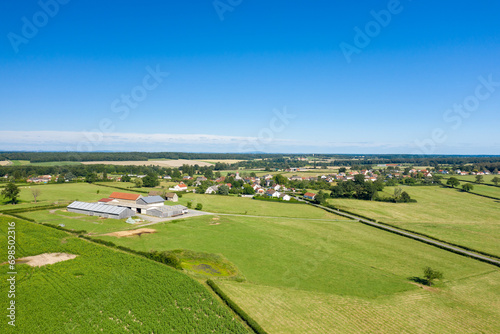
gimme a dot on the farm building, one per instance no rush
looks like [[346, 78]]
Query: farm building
[[167, 211], [171, 197], [151, 201], [101, 210]]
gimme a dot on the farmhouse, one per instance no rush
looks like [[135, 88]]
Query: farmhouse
[[96, 209], [179, 187], [212, 190], [167, 211], [310, 196]]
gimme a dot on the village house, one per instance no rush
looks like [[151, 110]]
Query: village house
[[310, 196], [179, 187], [272, 193], [172, 197]]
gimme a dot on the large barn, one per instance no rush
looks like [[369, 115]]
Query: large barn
[[101, 210], [167, 211]]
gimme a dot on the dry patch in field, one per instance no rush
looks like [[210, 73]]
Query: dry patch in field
[[5, 163], [227, 161], [132, 233], [46, 258], [161, 163]]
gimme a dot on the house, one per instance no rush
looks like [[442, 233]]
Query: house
[[172, 197], [212, 190], [187, 177], [267, 177], [201, 179], [179, 187], [260, 191], [100, 210], [285, 197], [310, 196], [167, 177], [237, 177], [167, 211], [295, 178], [272, 193]]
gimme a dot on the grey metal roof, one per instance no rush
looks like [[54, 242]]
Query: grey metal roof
[[152, 199], [168, 208], [95, 207]]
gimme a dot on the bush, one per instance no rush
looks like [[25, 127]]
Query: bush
[[199, 206]]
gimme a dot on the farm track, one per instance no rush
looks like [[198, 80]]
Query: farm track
[[440, 244]]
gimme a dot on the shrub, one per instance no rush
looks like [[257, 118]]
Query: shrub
[[199, 206]]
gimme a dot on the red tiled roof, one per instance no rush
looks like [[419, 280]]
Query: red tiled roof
[[125, 196], [309, 194], [105, 200]]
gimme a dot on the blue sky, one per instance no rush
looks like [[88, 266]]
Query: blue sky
[[236, 67]]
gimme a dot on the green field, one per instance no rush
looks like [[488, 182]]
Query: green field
[[61, 193], [486, 178], [312, 276], [444, 213], [248, 206], [481, 189], [78, 222], [103, 290]]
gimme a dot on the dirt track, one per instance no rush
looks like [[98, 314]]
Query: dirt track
[[131, 233]]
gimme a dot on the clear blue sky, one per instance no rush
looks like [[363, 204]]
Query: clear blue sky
[[228, 77]]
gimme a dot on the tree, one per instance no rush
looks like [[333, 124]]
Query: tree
[[105, 176], [479, 178], [11, 191], [359, 178], [453, 181], [405, 197], [91, 177], [430, 275], [126, 178], [138, 182], [150, 180], [70, 176], [320, 198], [342, 170], [495, 180], [35, 192], [397, 193], [60, 179], [467, 187], [189, 204], [248, 190], [199, 206], [223, 190], [280, 179]]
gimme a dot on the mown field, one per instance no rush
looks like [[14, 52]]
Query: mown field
[[103, 290], [486, 178], [314, 276], [62, 193], [78, 222], [481, 189], [444, 213], [248, 206]]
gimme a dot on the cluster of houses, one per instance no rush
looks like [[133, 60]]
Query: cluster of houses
[[40, 179], [124, 205]]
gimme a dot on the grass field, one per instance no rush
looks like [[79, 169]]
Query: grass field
[[103, 290], [61, 193], [78, 222], [481, 189], [446, 214], [487, 178], [312, 276], [248, 206]]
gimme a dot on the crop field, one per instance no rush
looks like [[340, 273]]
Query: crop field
[[156, 162], [61, 193], [78, 222], [447, 214], [318, 276], [103, 290], [248, 206], [5, 163]]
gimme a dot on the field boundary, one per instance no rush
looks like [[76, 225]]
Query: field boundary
[[119, 188], [471, 192], [236, 309], [457, 249]]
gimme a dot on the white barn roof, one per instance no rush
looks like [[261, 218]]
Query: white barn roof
[[95, 207]]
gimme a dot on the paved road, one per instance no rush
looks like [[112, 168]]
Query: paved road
[[415, 236]]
